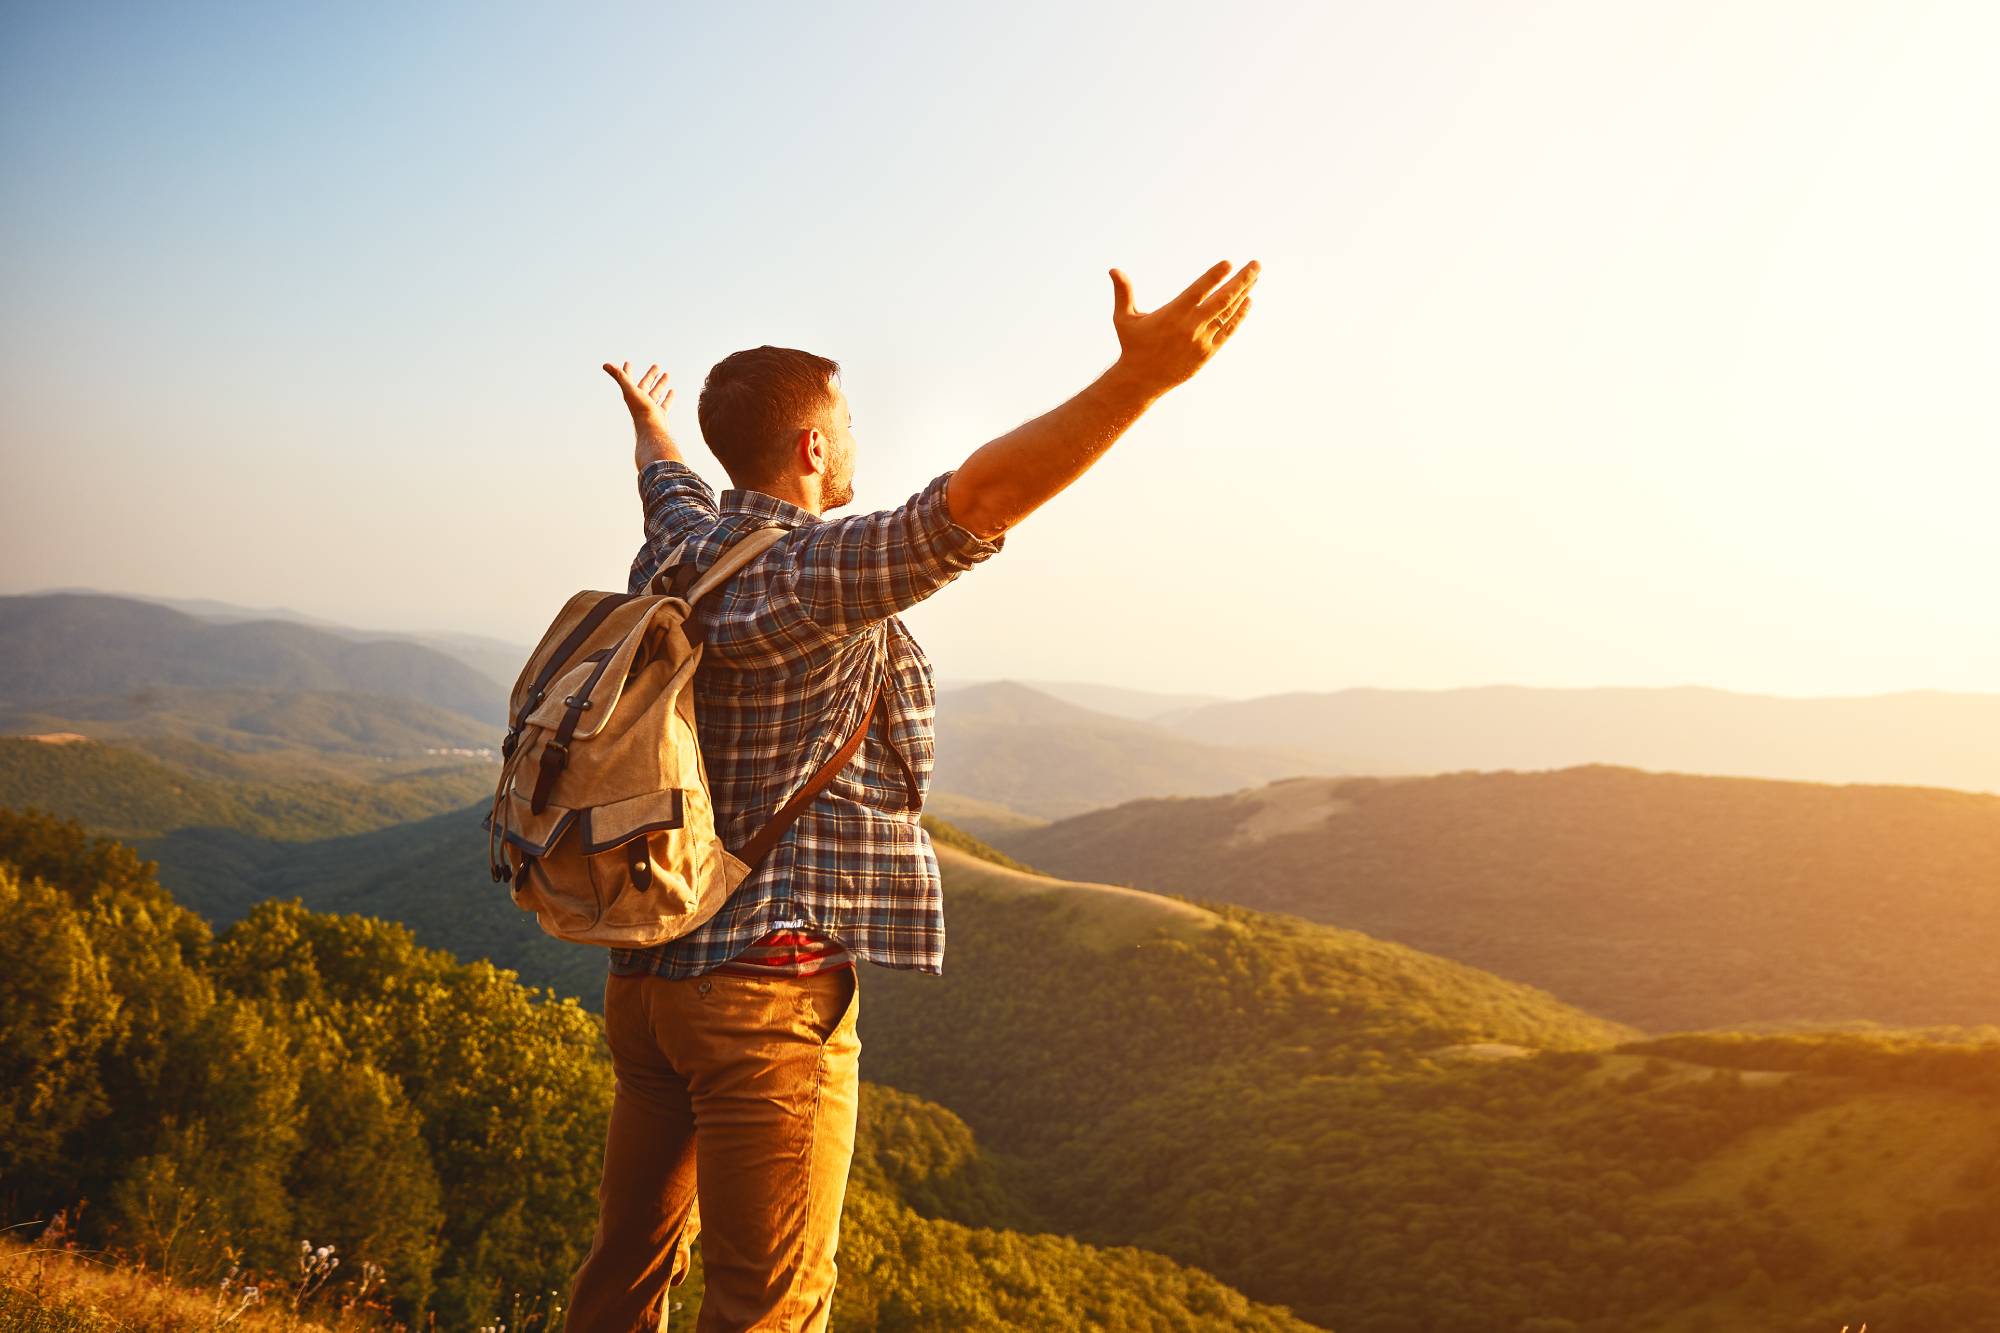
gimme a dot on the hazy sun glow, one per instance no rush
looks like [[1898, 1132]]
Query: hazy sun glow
[[1596, 344]]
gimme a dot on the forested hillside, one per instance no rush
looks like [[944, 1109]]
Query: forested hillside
[[217, 1098], [309, 727], [1668, 900], [118, 790], [1288, 1106]]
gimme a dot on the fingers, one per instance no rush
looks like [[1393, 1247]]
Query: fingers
[[1228, 325], [623, 374], [1221, 316], [1235, 290], [1199, 288], [650, 387], [1121, 295]]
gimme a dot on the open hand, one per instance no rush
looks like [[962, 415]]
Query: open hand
[[1165, 347], [647, 401]]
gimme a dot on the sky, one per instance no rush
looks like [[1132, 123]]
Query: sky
[[1596, 344]]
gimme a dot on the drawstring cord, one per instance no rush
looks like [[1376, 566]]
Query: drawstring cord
[[496, 820]]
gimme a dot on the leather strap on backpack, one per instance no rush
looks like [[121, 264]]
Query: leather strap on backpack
[[761, 843], [555, 750]]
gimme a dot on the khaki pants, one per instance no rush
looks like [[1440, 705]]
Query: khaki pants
[[749, 1086]]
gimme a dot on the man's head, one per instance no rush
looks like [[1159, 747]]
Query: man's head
[[777, 421]]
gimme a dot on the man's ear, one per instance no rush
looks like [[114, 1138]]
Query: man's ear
[[812, 449]]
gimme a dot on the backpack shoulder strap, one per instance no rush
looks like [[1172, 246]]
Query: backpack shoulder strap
[[680, 580], [761, 842]]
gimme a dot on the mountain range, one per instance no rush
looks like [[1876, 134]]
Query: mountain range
[[73, 647], [1009, 753], [1930, 738], [499, 660], [1034, 754]]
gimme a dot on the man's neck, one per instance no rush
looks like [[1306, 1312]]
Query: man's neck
[[806, 492]]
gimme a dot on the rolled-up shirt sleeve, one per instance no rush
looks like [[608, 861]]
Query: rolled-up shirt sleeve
[[679, 505], [866, 567]]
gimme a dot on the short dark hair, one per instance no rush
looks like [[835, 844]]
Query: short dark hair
[[755, 402]]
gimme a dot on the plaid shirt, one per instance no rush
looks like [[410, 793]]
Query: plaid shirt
[[796, 642]]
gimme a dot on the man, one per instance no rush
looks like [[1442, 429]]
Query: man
[[735, 1047]]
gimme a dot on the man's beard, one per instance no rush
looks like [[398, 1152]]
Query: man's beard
[[841, 492]]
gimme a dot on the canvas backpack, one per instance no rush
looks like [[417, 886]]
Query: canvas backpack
[[601, 820]]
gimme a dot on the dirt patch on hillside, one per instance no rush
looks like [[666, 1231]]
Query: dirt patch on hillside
[[1287, 807], [1481, 1052]]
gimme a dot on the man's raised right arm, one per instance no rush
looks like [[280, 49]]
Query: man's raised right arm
[[678, 503], [1009, 478]]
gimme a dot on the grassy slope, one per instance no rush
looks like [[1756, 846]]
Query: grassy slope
[[1663, 899], [974, 1279], [1101, 917], [1858, 1177], [1862, 1169], [945, 834], [55, 1290]]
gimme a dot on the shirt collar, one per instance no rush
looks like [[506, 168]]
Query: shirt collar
[[759, 505]]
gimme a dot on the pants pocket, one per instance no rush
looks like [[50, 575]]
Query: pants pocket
[[833, 1003]]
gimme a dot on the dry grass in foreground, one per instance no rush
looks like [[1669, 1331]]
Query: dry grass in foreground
[[53, 1289]]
